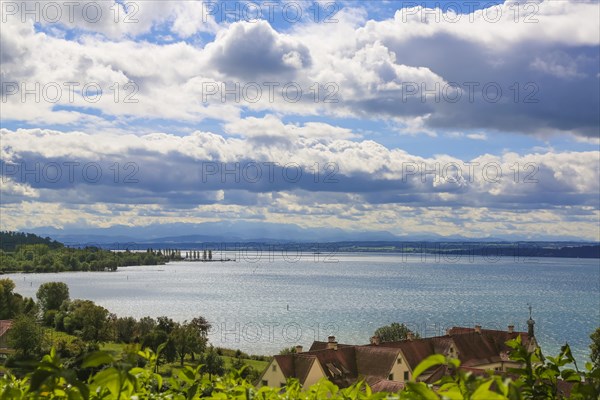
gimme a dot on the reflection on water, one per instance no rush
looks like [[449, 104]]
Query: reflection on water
[[261, 304]]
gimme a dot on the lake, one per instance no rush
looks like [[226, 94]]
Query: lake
[[262, 303]]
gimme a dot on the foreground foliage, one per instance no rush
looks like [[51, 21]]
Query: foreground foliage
[[133, 377]]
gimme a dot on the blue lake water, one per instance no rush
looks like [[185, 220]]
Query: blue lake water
[[261, 304]]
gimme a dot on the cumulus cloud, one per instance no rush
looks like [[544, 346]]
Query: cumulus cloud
[[221, 94], [194, 169], [528, 71], [254, 51]]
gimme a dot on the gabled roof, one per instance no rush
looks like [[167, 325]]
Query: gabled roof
[[473, 348], [5, 325], [483, 347], [375, 361], [414, 351], [295, 365], [339, 365]]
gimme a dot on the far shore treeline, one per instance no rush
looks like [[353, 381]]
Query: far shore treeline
[[26, 252]]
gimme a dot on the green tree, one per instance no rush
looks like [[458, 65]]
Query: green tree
[[13, 304], [160, 334], [51, 295], [394, 332], [202, 327], [595, 348], [186, 340], [125, 329], [145, 326], [247, 372], [213, 364], [84, 319], [26, 336], [287, 350]]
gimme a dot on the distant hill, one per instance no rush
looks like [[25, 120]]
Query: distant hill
[[222, 231], [10, 240], [243, 231]]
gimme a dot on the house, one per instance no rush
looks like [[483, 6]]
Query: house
[[386, 366], [4, 328]]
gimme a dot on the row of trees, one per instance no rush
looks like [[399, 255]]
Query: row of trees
[[92, 324], [197, 255], [43, 258]]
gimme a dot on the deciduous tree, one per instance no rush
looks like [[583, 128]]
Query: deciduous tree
[[51, 295], [393, 332]]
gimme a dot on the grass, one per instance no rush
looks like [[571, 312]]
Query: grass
[[115, 348], [256, 364], [54, 336], [165, 369]]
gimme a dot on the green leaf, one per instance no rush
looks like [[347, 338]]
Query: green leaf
[[436, 359], [422, 390], [483, 392], [97, 358]]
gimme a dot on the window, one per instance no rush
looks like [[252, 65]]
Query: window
[[399, 361], [265, 383], [405, 375], [391, 377], [274, 367]]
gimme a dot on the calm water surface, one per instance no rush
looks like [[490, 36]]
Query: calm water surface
[[262, 304]]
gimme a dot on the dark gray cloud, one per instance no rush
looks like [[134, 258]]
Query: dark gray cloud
[[254, 51]]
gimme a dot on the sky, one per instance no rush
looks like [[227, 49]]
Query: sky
[[478, 119]]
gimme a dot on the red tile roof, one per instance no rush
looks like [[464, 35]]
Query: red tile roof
[[385, 385], [295, 365], [348, 363], [5, 325]]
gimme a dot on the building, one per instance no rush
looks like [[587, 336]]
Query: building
[[4, 328], [386, 366], [5, 351]]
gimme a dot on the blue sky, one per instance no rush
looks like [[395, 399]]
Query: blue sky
[[389, 90]]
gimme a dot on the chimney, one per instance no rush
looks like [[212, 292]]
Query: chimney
[[448, 331], [410, 335], [511, 328], [298, 349], [375, 340], [331, 343], [478, 328]]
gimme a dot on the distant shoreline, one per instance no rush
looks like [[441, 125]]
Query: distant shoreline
[[443, 249]]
